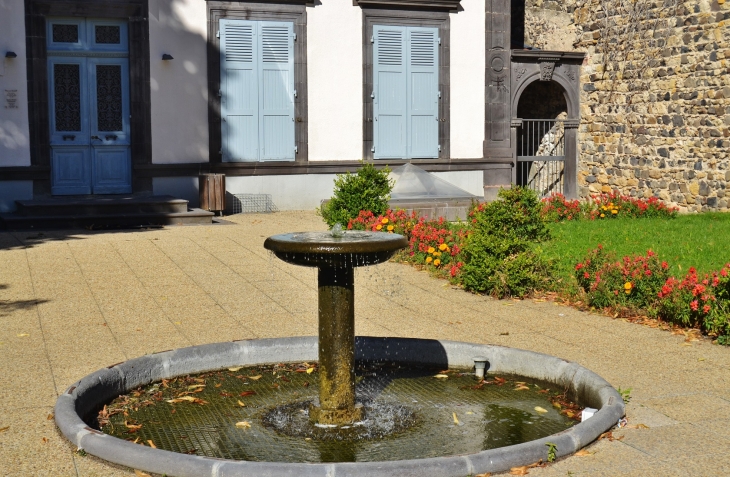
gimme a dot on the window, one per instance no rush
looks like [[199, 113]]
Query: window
[[232, 141], [405, 92], [413, 96], [257, 91]]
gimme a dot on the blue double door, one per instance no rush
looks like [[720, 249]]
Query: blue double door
[[88, 77]]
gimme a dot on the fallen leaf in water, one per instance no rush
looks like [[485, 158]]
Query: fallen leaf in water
[[519, 470], [499, 381], [310, 370], [196, 386], [219, 385], [583, 453], [441, 376], [456, 419], [132, 427], [243, 425], [152, 444], [255, 378], [233, 370], [540, 409], [139, 473], [241, 403], [247, 393], [522, 387], [543, 391]]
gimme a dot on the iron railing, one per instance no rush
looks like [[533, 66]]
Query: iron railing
[[541, 155]]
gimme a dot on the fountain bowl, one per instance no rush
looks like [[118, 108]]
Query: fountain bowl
[[353, 248], [80, 402]]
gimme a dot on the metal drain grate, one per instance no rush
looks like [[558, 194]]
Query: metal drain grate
[[252, 204]]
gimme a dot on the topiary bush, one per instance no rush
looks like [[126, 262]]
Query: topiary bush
[[501, 254], [368, 189]]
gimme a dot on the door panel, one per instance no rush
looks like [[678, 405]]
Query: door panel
[[111, 169], [67, 81], [71, 170]]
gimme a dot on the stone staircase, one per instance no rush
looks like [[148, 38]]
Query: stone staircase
[[103, 212]]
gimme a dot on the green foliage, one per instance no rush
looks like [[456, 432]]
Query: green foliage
[[368, 189], [500, 254], [552, 451], [625, 394]]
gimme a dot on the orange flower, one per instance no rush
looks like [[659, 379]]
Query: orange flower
[[429, 259], [443, 247], [437, 262], [390, 228], [431, 250], [385, 220], [378, 227]]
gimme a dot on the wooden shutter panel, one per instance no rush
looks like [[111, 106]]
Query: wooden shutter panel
[[276, 94], [389, 88], [239, 90], [423, 100]]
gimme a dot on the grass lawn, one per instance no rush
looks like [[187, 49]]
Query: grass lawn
[[698, 240]]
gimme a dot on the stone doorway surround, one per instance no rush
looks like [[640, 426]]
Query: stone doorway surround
[[562, 68]]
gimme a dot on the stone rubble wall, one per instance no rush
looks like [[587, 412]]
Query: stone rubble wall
[[667, 133]]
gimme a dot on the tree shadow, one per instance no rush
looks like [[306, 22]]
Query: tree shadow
[[8, 307], [23, 239]]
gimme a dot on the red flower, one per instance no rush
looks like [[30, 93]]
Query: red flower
[[586, 275], [694, 305], [706, 309]]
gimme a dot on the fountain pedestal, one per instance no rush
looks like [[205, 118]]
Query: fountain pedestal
[[336, 287], [336, 256]]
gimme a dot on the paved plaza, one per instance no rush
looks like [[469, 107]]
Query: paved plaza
[[74, 302]]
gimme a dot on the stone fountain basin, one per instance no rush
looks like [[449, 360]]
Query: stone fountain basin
[[321, 249], [86, 397]]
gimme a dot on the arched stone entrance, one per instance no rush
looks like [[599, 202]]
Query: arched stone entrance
[[545, 112]]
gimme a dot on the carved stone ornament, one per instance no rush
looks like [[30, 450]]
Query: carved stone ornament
[[546, 71], [498, 83], [571, 74], [519, 72]]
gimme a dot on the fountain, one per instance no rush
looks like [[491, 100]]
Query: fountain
[[336, 254], [337, 411]]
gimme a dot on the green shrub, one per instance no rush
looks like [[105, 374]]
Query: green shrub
[[500, 254], [368, 189]]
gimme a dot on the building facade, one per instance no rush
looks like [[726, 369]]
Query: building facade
[[141, 96]]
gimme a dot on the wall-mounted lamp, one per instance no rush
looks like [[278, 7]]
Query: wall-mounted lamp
[[166, 57], [11, 54]]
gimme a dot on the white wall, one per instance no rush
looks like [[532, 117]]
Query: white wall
[[467, 80], [334, 69], [179, 89], [14, 135], [296, 192]]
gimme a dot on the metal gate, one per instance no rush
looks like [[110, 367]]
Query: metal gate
[[541, 155]]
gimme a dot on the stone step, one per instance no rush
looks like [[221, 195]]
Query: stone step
[[99, 206], [105, 221], [103, 212]]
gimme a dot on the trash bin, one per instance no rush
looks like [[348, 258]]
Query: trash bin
[[212, 189]]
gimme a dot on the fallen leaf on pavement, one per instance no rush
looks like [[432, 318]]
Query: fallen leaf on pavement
[[486, 474], [139, 473], [3, 429], [519, 470], [44, 439], [21, 335], [583, 453], [50, 416], [456, 419], [152, 444]]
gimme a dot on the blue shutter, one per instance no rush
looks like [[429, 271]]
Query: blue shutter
[[276, 91], [239, 90], [423, 85], [389, 89]]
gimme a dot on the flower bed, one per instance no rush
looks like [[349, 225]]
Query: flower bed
[[557, 208]]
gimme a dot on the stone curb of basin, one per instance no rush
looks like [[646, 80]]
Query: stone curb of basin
[[89, 394]]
